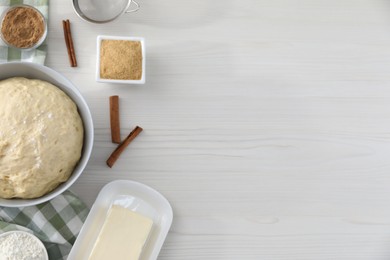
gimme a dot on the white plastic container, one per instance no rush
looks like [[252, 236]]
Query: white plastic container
[[135, 196]]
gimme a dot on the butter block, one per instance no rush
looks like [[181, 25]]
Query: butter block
[[123, 235]]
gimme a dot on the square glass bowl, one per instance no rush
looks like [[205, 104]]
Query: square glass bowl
[[100, 38]]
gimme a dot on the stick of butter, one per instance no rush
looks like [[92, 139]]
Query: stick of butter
[[123, 235]]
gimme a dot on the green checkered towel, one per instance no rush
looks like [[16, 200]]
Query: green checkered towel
[[56, 222], [37, 55]]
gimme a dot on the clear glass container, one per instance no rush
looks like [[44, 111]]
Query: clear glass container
[[18, 29]]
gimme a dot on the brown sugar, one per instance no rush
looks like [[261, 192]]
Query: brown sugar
[[121, 59], [23, 27]]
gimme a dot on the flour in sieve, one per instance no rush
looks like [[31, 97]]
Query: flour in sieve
[[20, 246]]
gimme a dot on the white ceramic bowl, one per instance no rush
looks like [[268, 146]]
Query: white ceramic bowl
[[104, 37], [35, 71], [32, 239]]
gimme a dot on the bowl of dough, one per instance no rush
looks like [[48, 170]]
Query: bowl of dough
[[46, 134]]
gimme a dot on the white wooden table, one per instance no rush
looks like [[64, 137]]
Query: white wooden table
[[267, 123]]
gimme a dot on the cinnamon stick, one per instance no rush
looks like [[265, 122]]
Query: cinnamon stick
[[69, 43], [114, 120], [122, 146], [71, 47]]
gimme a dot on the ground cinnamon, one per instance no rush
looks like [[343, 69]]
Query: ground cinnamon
[[121, 59], [23, 27]]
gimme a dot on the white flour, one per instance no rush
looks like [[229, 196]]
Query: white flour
[[20, 246]]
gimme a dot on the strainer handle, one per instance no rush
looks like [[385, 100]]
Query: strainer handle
[[135, 8]]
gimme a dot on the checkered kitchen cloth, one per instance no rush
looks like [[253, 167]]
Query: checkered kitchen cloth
[[37, 55], [56, 222]]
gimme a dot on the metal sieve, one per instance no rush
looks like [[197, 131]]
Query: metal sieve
[[103, 11]]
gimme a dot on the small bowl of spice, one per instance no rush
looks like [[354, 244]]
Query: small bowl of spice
[[120, 60], [21, 245], [23, 27]]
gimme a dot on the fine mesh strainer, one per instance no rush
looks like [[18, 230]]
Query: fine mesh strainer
[[103, 11]]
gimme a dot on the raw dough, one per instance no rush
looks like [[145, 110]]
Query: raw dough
[[41, 137]]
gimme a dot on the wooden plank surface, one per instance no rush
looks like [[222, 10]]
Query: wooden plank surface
[[266, 123]]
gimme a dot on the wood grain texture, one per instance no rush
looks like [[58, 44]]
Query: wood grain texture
[[266, 123]]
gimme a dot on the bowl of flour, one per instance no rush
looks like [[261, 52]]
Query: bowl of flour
[[21, 245]]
